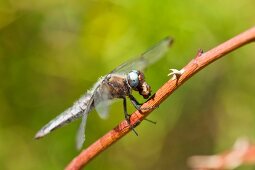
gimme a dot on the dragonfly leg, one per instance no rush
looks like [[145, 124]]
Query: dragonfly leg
[[127, 116], [138, 105], [135, 103]]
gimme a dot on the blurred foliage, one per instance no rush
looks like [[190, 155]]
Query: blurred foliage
[[52, 51]]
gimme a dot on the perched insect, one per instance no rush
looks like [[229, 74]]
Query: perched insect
[[119, 83]]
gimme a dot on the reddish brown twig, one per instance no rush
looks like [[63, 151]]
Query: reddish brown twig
[[243, 152], [169, 87]]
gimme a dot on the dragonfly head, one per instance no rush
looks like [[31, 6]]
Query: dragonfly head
[[137, 82]]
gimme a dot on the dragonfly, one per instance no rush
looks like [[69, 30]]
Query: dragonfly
[[118, 84]]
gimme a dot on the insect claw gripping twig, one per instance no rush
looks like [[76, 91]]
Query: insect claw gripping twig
[[132, 127], [138, 105]]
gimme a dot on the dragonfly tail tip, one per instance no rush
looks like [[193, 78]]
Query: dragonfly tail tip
[[39, 135]]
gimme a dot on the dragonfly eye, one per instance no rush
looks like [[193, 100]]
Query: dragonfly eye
[[133, 78]]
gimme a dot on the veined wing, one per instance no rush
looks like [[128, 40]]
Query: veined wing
[[147, 58], [102, 111], [80, 138], [102, 107], [79, 108], [102, 102]]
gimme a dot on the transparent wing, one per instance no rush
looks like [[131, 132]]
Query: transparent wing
[[80, 138], [102, 108], [147, 58], [102, 102]]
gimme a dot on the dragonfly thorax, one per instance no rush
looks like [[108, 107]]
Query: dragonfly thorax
[[115, 86]]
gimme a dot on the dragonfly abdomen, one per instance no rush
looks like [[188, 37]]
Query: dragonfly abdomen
[[80, 107]]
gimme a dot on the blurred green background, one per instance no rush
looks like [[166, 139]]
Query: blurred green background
[[52, 51]]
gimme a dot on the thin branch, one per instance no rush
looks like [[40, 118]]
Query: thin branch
[[201, 60], [243, 152]]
